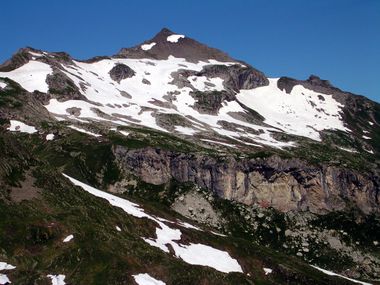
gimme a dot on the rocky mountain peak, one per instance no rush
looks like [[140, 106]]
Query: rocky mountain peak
[[168, 43], [162, 35]]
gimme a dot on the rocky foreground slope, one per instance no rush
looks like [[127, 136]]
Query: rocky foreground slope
[[239, 178]]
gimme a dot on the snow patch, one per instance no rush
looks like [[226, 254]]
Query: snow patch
[[124, 133], [366, 137], [84, 131], [348, 149], [199, 254], [185, 130], [3, 84], [118, 228], [165, 235], [4, 279], [267, 271], [17, 126], [188, 226], [204, 84], [335, 274], [174, 38], [68, 238], [371, 123], [49, 137], [57, 279], [6, 266], [31, 76], [35, 53], [217, 234], [148, 46], [146, 279], [127, 206]]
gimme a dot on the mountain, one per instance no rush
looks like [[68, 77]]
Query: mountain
[[173, 163]]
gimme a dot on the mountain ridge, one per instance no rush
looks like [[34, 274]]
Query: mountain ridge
[[272, 175], [161, 35]]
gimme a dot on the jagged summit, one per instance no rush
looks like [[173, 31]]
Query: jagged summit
[[167, 42], [162, 35]]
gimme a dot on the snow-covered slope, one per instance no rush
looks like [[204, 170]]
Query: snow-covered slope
[[303, 112], [198, 93], [31, 76]]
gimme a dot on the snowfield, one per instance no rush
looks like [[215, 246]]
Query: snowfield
[[17, 126], [196, 254], [152, 90], [146, 279], [31, 76], [303, 112]]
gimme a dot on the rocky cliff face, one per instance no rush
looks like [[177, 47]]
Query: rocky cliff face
[[284, 184]]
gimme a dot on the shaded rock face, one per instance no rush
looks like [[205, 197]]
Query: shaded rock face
[[236, 77], [285, 185], [21, 57], [120, 72], [210, 102], [63, 87]]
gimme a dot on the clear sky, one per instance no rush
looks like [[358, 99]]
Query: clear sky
[[338, 40]]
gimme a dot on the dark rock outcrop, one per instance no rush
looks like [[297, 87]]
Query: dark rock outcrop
[[210, 102], [21, 57], [284, 184], [62, 87], [121, 71], [236, 77]]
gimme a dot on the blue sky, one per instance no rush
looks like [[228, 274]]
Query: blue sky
[[338, 40]]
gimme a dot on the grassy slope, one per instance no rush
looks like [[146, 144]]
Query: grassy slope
[[32, 231]]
